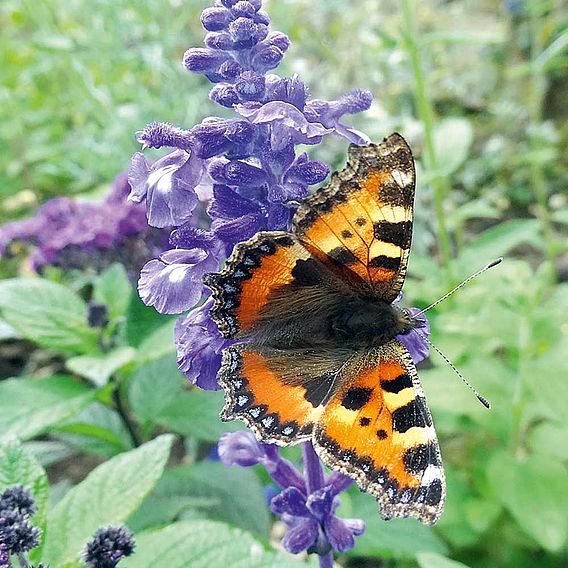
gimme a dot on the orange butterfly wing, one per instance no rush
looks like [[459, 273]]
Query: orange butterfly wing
[[363, 219], [378, 430]]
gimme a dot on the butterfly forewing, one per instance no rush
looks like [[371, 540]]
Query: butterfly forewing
[[362, 220]]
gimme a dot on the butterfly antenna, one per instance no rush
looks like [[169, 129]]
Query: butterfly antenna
[[461, 285], [481, 399]]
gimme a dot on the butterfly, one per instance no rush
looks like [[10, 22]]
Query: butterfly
[[316, 356]]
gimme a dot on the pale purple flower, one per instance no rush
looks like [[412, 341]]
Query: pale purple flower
[[167, 186]]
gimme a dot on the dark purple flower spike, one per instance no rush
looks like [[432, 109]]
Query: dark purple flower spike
[[69, 233], [17, 534], [108, 546]]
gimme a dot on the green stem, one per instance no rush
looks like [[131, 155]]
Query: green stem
[[537, 92], [426, 113], [22, 560]]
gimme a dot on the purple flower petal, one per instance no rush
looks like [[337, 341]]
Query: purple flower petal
[[291, 501], [172, 283], [416, 340], [240, 449], [199, 345], [340, 537], [228, 204], [294, 125], [301, 536], [168, 186]]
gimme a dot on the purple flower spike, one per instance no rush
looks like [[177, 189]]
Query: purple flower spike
[[199, 345], [108, 546]]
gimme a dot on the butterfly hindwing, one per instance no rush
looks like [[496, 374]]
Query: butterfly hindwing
[[378, 430], [257, 393], [363, 219]]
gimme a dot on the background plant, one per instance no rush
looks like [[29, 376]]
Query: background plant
[[480, 94]]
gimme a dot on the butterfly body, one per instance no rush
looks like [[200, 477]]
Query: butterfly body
[[316, 355]]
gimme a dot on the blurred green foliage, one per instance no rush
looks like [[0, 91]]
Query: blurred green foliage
[[480, 91]]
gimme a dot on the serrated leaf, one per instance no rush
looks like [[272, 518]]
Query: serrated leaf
[[154, 386], [399, 538], [30, 406], [433, 560], [536, 484], [196, 414], [108, 495], [99, 368], [231, 494], [113, 289], [452, 141], [203, 544], [47, 313], [19, 467]]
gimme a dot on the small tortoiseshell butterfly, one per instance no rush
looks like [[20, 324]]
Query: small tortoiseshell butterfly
[[317, 356]]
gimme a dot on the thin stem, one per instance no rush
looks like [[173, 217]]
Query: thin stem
[[123, 412], [426, 113], [23, 560], [536, 96], [313, 469]]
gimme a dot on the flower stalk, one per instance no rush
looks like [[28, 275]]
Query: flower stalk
[[426, 113]]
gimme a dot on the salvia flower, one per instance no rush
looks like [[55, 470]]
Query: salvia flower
[[306, 503], [69, 233], [108, 546], [17, 534], [244, 168]]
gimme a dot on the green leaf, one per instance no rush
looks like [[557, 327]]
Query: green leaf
[[196, 414], [546, 379], [19, 467], [108, 495], [452, 141], [537, 484], [30, 406], [7, 331], [99, 368], [231, 494], [97, 430], [159, 343], [154, 386], [142, 321], [433, 560], [399, 538], [113, 289], [47, 313], [203, 544]]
